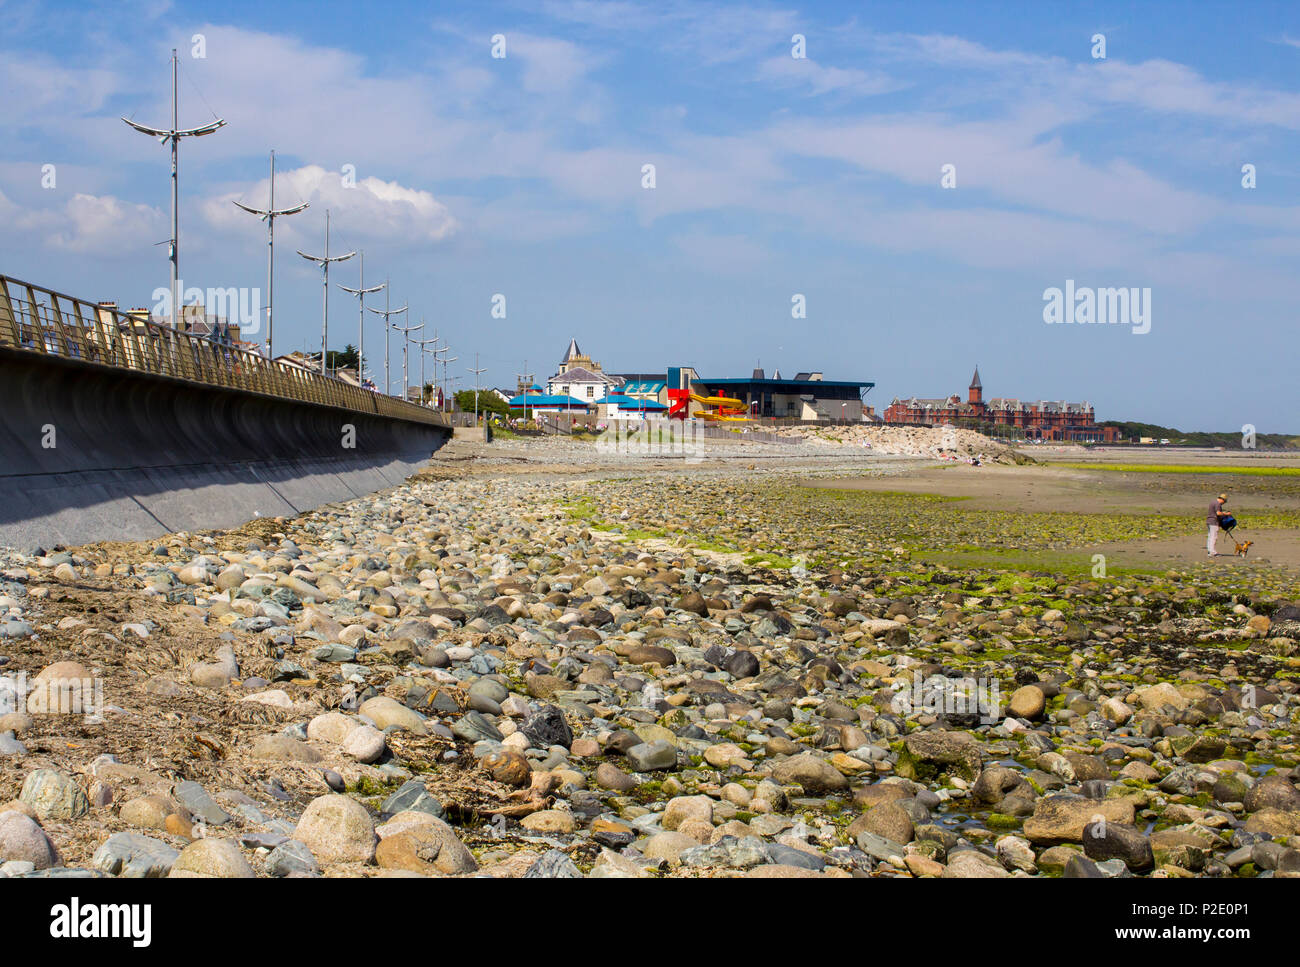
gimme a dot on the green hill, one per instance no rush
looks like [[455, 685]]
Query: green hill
[[1229, 440]]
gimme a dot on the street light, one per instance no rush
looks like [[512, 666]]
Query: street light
[[269, 215], [476, 371], [386, 313], [360, 292], [423, 343], [445, 361], [324, 261], [406, 347], [174, 135], [449, 382]]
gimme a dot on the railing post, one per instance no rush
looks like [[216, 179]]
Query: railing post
[[9, 335], [38, 331]]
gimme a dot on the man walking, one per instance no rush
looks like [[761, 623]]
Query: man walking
[[1212, 518]]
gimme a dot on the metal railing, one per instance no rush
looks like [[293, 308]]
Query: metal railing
[[53, 325]]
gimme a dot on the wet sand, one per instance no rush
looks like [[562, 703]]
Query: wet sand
[[1054, 489]]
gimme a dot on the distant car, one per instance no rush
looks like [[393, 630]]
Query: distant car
[[1164, 443]]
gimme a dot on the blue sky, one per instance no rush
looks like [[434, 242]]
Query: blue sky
[[775, 176]]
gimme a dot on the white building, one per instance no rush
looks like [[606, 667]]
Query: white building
[[581, 378]]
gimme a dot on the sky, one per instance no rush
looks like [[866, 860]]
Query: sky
[[798, 158]]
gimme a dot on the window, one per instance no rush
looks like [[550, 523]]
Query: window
[[591, 392], [564, 391]]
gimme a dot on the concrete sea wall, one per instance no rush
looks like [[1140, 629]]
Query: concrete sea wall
[[89, 454]]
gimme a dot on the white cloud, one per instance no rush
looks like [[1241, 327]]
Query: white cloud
[[551, 65], [46, 93], [1159, 86], [86, 225], [374, 208], [1002, 160], [789, 71], [464, 120], [709, 33]]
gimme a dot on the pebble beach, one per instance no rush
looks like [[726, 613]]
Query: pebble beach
[[533, 660]]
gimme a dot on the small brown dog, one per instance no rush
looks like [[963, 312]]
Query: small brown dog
[[1242, 548]]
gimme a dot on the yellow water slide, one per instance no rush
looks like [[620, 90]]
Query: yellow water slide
[[721, 408]]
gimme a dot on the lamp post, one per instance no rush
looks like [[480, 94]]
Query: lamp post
[[324, 261], [173, 137], [476, 371], [449, 382], [360, 292], [423, 344], [269, 215], [387, 313], [406, 348], [445, 361]]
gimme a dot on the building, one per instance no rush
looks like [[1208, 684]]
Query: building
[[195, 319], [546, 403], [620, 405], [582, 378], [808, 397], [648, 387], [1040, 420], [301, 360]]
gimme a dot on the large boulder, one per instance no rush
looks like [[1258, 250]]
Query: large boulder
[[337, 829], [682, 809], [54, 795], [888, 820], [1062, 819], [926, 754], [969, 864], [1027, 702], [1104, 840], [211, 859], [1272, 792], [816, 775], [134, 856], [22, 839], [65, 687], [420, 843], [385, 712]]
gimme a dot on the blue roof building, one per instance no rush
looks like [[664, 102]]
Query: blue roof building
[[548, 403]]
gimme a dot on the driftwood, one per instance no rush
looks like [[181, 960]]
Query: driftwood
[[486, 798]]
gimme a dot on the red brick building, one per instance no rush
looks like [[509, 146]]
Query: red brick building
[[1040, 420]]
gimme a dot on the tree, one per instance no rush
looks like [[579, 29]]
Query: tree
[[488, 402], [347, 359]]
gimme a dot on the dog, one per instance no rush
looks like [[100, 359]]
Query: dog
[[1242, 548]]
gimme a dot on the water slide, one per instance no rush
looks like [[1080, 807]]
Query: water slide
[[721, 409]]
